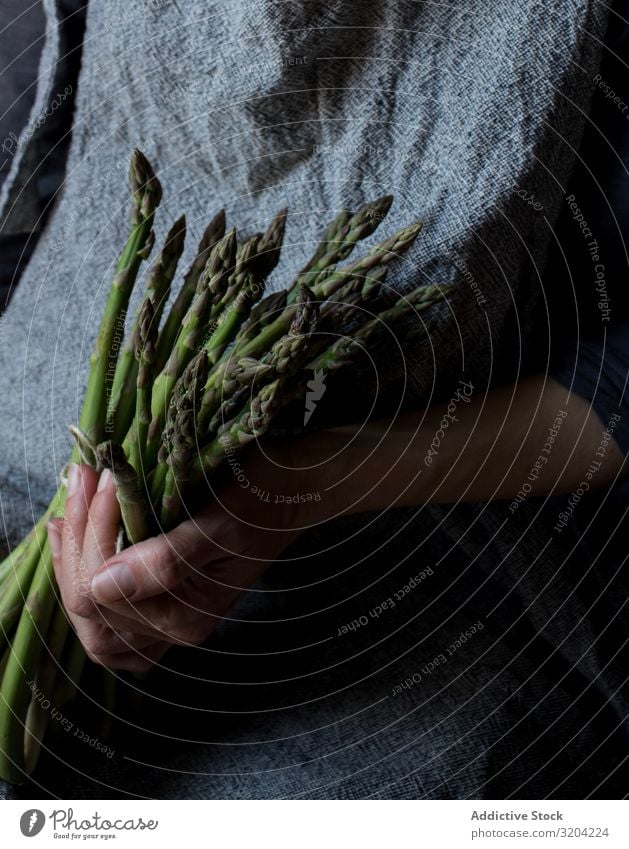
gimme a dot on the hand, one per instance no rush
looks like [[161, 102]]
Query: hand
[[129, 608]]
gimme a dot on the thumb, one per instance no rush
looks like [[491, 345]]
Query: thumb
[[152, 567]]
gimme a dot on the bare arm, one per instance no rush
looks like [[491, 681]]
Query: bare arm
[[473, 448], [175, 588]]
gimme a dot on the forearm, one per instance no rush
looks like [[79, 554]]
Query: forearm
[[473, 448]]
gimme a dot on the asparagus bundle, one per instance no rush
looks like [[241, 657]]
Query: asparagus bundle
[[182, 393]]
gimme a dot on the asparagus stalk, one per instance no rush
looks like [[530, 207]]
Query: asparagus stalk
[[134, 506], [16, 590], [342, 351], [146, 340], [38, 714], [262, 314], [327, 284], [18, 552], [146, 193], [158, 282], [21, 668], [180, 438], [222, 405], [231, 379], [270, 245], [258, 258], [252, 423], [287, 353], [332, 233], [213, 233], [361, 225], [245, 286], [210, 286]]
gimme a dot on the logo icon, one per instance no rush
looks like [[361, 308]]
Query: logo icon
[[32, 822], [316, 388]]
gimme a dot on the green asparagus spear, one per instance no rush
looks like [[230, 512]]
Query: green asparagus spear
[[194, 326], [361, 225], [21, 667], [327, 284], [158, 281], [259, 256], [181, 436], [169, 332], [251, 423], [146, 341], [134, 506], [146, 193], [332, 233], [262, 314]]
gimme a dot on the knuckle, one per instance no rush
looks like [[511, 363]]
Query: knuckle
[[181, 544], [75, 595], [101, 644], [165, 566], [170, 572], [78, 604]]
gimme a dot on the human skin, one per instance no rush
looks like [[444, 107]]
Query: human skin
[[129, 608]]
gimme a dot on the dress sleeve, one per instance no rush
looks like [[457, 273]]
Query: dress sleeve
[[596, 367]]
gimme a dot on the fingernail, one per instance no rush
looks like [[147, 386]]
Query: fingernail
[[54, 539], [74, 478], [113, 584], [103, 481]]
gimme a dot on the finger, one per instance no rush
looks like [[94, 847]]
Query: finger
[[83, 628], [103, 640], [164, 618], [140, 661], [153, 567], [96, 637], [55, 530], [74, 580], [101, 532]]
